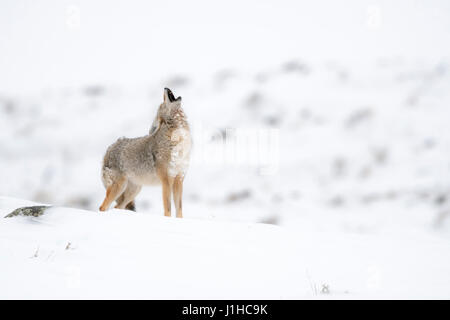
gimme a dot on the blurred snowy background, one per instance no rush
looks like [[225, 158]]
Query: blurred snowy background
[[358, 92]]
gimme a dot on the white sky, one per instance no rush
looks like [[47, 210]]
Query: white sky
[[41, 44]]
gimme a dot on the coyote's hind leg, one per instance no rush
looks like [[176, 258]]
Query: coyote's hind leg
[[128, 195], [130, 206], [113, 192]]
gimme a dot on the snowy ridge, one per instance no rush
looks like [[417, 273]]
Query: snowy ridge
[[352, 202], [72, 253]]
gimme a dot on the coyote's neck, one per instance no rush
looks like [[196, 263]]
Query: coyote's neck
[[177, 120]]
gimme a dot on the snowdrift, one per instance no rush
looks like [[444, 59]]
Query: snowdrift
[[72, 253]]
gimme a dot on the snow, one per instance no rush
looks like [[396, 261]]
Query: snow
[[320, 148], [77, 254], [69, 253]]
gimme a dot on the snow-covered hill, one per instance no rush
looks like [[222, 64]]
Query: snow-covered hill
[[353, 197], [72, 253]]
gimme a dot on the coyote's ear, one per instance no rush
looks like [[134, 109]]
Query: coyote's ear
[[155, 126]]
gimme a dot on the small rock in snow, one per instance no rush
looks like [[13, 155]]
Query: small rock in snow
[[34, 211]]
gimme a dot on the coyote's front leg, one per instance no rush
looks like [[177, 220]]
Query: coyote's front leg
[[166, 183], [178, 195]]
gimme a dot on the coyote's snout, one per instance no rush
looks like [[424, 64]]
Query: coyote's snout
[[161, 157]]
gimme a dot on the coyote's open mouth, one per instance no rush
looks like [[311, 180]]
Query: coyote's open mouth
[[170, 95]]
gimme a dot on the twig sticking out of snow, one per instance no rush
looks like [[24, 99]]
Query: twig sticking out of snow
[[35, 255]]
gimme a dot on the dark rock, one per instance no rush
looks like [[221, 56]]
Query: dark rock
[[272, 120], [261, 77], [380, 155], [429, 143], [238, 196], [441, 199], [295, 194], [391, 195], [343, 75], [339, 167], [412, 99], [277, 198], [94, 90], [9, 106], [223, 77], [254, 100], [297, 67], [305, 114], [358, 116], [336, 201], [34, 211], [365, 172], [371, 197], [440, 218], [274, 219]]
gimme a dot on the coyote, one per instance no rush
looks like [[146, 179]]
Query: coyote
[[161, 157]]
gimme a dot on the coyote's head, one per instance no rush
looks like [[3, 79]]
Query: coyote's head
[[168, 112], [169, 98]]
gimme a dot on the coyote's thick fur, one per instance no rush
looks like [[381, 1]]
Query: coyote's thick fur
[[162, 157]]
